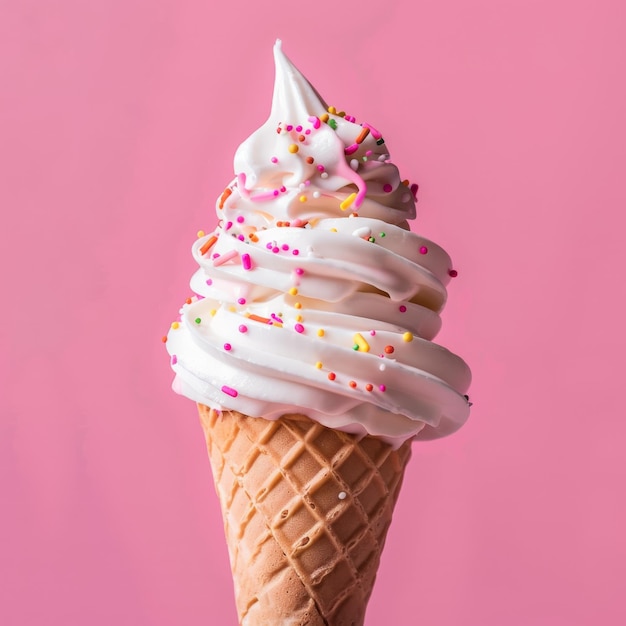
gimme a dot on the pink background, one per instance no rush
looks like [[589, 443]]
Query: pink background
[[119, 120]]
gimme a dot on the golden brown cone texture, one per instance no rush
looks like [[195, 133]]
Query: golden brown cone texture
[[301, 553]]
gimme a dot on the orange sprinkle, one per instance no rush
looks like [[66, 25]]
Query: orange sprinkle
[[187, 300], [224, 196], [352, 384], [364, 133], [253, 237], [164, 338], [208, 244], [324, 117], [369, 387], [405, 182], [258, 318]]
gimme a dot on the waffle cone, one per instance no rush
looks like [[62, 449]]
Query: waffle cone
[[306, 511]]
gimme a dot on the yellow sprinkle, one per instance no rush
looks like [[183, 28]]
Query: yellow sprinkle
[[298, 318], [302, 198], [213, 312], [320, 332], [333, 230], [359, 340], [407, 337], [298, 305], [232, 309], [324, 117], [347, 202], [332, 110], [175, 325], [318, 365], [200, 233], [293, 148], [293, 291]]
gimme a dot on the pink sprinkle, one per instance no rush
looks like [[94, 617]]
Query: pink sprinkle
[[241, 301], [228, 225], [368, 153], [274, 160], [285, 246], [387, 188], [402, 308], [414, 188], [372, 332], [299, 328], [297, 222], [209, 281], [307, 131], [423, 250], [295, 252], [227, 347], [174, 359], [227, 256], [298, 128], [453, 273], [230, 391], [320, 168], [269, 245], [289, 127], [283, 189], [246, 262], [382, 387], [243, 328], [275, 192], [276, 318], [375, 133], [351, 149], [241, 237], [275, 249], [316, 121], [299, 271], [240, 219]]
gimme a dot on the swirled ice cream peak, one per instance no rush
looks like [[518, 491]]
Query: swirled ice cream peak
[[312, 295]]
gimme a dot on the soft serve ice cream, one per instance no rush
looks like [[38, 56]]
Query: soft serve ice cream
[[312, 294]]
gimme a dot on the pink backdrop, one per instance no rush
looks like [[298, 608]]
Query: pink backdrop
[[119, 120]]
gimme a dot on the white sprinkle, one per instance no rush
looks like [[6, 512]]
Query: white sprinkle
[[362, 232], [354, 164], [342, 495], [382, 367], [316, 194], [324, 174]]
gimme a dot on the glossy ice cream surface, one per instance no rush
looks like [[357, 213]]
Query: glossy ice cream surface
[[312, 294]]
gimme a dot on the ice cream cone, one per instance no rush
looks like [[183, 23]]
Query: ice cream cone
[[306, 510]]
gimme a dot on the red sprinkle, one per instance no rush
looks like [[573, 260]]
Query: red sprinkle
[[331, 376]]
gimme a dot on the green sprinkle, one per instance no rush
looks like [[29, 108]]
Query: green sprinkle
[[372, 240], [383, 234], [355, 346], [197, 320], [332, 123]]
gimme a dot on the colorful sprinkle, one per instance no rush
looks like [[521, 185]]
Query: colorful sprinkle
[[453, 273], [352, 384], [387, 188], [241, 301], [342, 495], [402, 308], [299, 328], [246, 262], [382, 387], [224, 196], [423, 250], [224, 258], [274, 160], [332, 375], [243, 328], [320, 332], [351, 149], [293, 291], [198, 320], [318, 365], [233, 393], [407, 337], [360, 343], [347, 202], [200, 233], [164, 339], [208, 244], [364, 133], [369, 387], [389, 349], [258, 318], [227, 347], [293, 148], [302, 198], [175, 325]]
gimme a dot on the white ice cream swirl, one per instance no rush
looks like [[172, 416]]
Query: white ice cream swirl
[[312, 294]]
